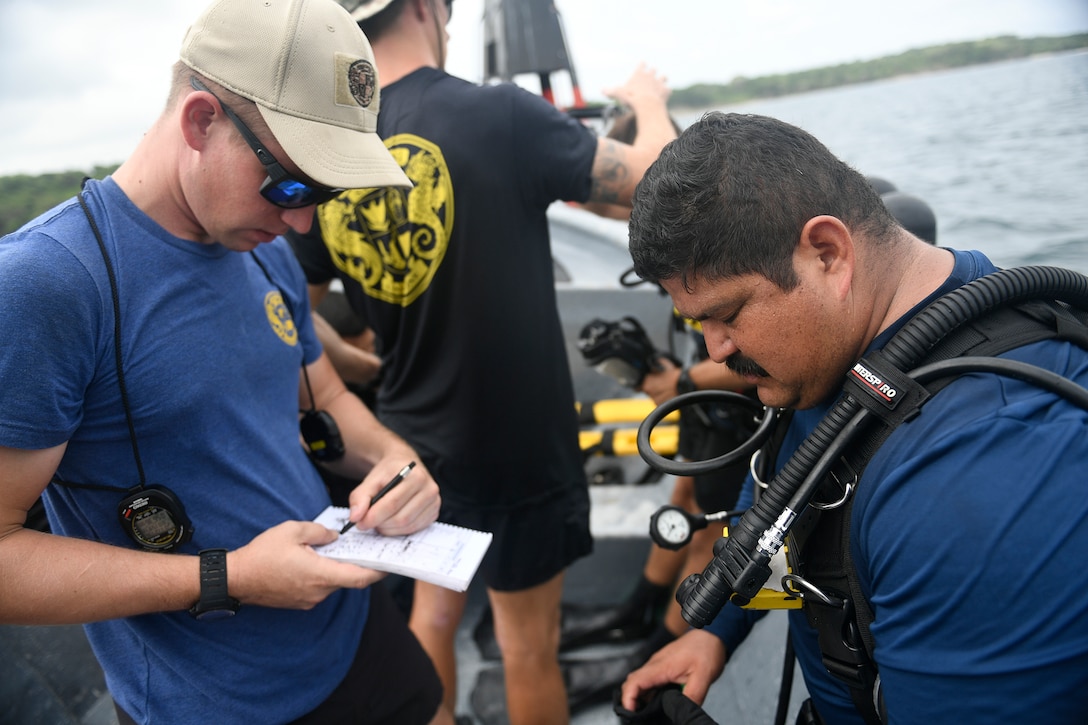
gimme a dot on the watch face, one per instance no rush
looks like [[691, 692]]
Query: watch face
[[672, 526], [215, 614], [153, 523]]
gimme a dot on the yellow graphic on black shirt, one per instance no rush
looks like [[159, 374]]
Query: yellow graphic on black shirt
[[392, 240], [279, 317]]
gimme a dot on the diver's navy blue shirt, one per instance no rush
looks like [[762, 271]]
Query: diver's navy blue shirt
[[967, 532]]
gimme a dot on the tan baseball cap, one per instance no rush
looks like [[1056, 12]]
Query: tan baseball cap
[[362, 9], [311, 72]]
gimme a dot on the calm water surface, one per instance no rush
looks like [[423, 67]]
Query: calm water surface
[[999, 151]]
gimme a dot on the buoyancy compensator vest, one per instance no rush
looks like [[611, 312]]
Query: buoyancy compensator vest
[[827, 579], [958, 333]]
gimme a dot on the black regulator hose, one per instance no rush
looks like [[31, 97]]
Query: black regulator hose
[[698, 468], [741, 566], [1043, 378]]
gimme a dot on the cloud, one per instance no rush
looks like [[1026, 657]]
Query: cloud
[[83, 81]]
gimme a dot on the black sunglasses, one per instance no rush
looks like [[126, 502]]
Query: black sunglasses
[[449, 9], [279, 187]]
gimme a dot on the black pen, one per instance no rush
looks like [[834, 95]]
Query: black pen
[[385, 489]]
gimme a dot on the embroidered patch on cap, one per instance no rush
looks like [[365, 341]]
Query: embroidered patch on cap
[[356, 81], [362, 82]]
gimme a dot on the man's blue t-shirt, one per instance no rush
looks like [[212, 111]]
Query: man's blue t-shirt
[[966, 533], [212, 348]]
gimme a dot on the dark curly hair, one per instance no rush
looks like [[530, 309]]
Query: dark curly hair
[[731, 195]]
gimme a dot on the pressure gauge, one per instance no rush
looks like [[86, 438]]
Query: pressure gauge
[[671, 527]]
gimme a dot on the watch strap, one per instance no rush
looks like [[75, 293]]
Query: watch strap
[[214, 600], [684, 383]]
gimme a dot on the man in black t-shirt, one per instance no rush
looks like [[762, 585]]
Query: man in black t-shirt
[[455, 277]]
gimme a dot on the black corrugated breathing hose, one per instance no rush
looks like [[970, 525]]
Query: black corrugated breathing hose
[[741, 566]]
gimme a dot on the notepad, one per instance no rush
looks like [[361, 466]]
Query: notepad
[[441, 554]]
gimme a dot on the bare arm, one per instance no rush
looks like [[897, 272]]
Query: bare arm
[[50, 579], [618, 167], [317, 292], [374, 454], [647, 95], [706, 374], [353, 364], [710, 375], [695, 660]]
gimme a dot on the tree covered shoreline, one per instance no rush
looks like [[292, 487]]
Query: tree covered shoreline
[[920, 60], [24, 196]]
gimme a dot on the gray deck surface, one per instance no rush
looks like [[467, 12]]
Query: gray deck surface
[[748, 690]]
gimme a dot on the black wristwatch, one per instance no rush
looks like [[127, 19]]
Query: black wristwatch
[[684, 383], [214, 602]]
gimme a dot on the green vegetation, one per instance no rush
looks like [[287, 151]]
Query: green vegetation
[[937, 57], [23, 197]]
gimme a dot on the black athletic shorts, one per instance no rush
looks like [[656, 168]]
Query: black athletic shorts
[[391, 681], [531, 542], [700, 441]]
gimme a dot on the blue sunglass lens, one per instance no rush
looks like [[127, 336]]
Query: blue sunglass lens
[[292, 194]]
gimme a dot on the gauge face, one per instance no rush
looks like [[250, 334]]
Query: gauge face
[[670, 527]]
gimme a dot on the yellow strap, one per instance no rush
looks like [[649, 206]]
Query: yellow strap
[[620, 410], [624, 441]]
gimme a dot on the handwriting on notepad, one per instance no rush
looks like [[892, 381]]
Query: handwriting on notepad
[[441, 554]]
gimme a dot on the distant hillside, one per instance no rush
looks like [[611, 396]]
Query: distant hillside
[[23, 197], [937, 57]]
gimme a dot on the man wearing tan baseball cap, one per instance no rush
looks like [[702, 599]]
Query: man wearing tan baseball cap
[[322, 107], [161, 381]]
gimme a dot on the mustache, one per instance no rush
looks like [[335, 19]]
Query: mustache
[[745, 366]]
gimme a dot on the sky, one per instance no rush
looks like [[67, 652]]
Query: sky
[[83, 80]]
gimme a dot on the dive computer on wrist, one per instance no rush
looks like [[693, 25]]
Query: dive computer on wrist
[[214, 602]]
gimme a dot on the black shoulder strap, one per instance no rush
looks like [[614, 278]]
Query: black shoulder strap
[[1003, 329], [843, 621]]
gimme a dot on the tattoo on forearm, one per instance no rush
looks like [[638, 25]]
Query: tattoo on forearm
[[611, 174]]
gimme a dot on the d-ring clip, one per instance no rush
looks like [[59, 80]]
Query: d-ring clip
[[847, 489], [753, 467], [802, 588]]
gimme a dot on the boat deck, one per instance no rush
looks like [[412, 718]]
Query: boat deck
[[748, 690]]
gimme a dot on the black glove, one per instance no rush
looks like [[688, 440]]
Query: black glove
[[665, 705], [650, 713], [682, 711]]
